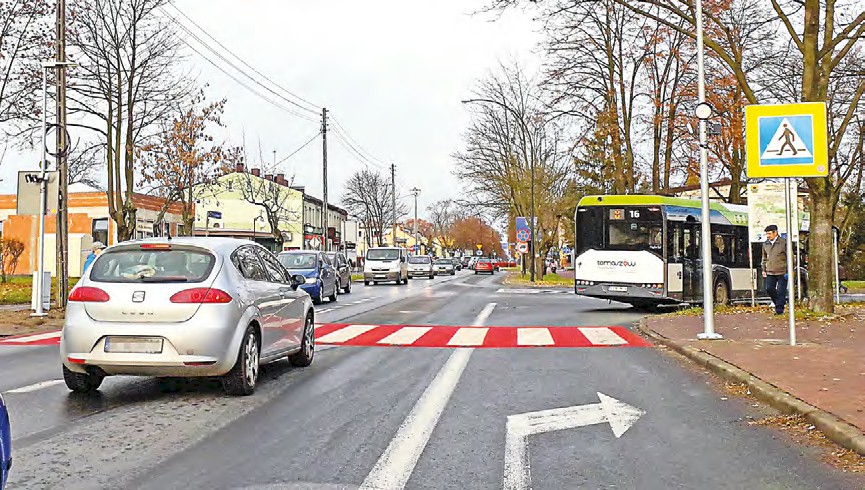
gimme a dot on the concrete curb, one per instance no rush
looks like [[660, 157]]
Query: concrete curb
[[837, 430]]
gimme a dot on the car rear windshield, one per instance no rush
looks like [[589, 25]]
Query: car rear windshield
[[298, 260], [418, 260], [160, 265], [382, 254]]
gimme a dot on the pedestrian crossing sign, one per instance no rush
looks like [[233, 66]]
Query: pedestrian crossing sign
[[786, 140]]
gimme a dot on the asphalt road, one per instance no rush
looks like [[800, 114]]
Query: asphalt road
[[413, 417]]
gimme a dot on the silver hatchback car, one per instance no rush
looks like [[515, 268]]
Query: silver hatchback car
[[185, 307]]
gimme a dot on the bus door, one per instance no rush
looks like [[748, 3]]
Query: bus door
[[692, 266]]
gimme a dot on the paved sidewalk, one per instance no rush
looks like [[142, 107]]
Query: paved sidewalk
[[826, 370]]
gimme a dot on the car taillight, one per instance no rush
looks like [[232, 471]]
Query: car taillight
[[87, 294], [201, 295]]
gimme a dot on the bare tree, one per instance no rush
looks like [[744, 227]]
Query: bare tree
[[367, 195], [25, 36], [183, 161], [513, 151], [126, 82], [443, 214], [266, 192], [595, 63]]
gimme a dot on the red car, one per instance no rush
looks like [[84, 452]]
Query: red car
[[485, 265]]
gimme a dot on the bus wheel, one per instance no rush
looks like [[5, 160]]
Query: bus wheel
[[722, 292]]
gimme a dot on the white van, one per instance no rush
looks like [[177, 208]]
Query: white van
[[385, 264]]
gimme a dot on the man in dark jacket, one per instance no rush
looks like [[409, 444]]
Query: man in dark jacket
[[775, 268]]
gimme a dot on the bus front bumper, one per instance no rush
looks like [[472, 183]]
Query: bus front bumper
[[625, 293]]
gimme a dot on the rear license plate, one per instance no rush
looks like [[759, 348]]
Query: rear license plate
[[133, 345], [619, 289]]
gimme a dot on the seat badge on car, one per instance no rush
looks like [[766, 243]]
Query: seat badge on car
[[138, 296]]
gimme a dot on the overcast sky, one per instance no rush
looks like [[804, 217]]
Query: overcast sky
[[392, 72]]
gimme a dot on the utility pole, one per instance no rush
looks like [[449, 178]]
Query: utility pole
[[416, 191], [62, 228], [324, 179], [393, 198]]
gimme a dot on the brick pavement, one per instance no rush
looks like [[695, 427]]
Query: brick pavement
[[826, 369]]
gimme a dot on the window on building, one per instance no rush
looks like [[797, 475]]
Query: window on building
[[99, 230]]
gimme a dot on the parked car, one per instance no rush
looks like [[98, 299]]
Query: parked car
[[420, 266], [385, 264], [485, 265], [343, 270], [5, 444], [322, 280], [185, 307], [444, 266]]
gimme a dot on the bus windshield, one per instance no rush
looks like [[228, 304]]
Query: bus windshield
[[619, 228]]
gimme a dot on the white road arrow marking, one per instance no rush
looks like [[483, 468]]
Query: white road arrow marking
[[518, 476]]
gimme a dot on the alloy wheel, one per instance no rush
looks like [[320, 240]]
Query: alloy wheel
[[251, 356]]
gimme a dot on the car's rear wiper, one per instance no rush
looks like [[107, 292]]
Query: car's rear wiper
[[164, 279]]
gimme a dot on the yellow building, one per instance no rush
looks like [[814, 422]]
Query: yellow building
[[235, 207]]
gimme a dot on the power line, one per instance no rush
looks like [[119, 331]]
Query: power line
[[345, 132], [360, 156], [233, 77], [316, 109], [301, 148]]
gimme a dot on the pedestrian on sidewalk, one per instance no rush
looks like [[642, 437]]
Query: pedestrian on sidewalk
[[775, 268], [95, 251]]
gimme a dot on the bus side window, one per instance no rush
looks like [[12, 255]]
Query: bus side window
[[674, 242], [740, 249]]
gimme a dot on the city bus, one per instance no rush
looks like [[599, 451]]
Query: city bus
[[645, 250]]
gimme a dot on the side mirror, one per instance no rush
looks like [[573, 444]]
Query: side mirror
[[297, 280]]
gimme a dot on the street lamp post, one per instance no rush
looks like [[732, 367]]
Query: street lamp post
[[38, 286], [415, 191], [703, 113], [532, 178]]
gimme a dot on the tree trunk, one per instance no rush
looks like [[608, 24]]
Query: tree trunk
[[821, 274]]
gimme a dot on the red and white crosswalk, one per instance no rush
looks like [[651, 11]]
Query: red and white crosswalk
[[478, 337], [49, 338], [439, 336]]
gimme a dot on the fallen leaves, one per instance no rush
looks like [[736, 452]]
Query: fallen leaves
[[804, 432]]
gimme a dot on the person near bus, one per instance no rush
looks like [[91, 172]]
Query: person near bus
[[775, 268]]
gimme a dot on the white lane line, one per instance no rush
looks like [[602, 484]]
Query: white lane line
[[534, 336], [33, 338], [484, 314], [345, 334], [405, 335], [602, 336], [396, 464], [469, 336], [37, 386]]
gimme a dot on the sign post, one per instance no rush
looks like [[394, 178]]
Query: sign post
[[784, 141]]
